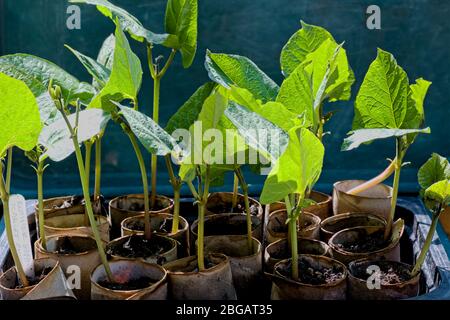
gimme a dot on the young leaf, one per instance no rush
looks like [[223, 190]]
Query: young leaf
[[37, 73], [149, 133], [361, 136], [303, 42], [436, 168], [99, 72], [414, 118], [189, 111], [106, 54], [228, 70], [250, 126], [439, 192], [125, 79], [298, 168], [181, 20], [273, 111], [131, 24], [324, 74], [20, 122], [57, 140], [382, 100]]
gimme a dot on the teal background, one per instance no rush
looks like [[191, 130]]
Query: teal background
[[417, 32]]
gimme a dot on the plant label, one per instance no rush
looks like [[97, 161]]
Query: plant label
[[21, 232]]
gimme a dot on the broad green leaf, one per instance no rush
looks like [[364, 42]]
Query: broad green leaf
[[228, 70], [273, 111], [324, 75], [382, 100], [57, 140], [106, 54], [303, 42], [37, 73], [126, 76], [439, 192], [436, 168], [358, 137], [189, 111], [297, 95], [150, 134], [415, 114], [20, 122], [213, 138], [187, 172], [332, 76], [131, 24], [298, 168], [99, 72], [181, 20], [259, 133]]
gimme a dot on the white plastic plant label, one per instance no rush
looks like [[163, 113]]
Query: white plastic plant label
[[21, 232]]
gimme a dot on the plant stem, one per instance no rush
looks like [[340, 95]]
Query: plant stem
[[294, 245], [154, 164], [374, 181], [40, 190], [148, 227], [423, 253], [98, 167], [87, 166], [244, 186], [8, 170], [86, 195], [4, 195], [201, 222], [176, 185], [288, 204], [235, 192], [87, 159], [398, 167]]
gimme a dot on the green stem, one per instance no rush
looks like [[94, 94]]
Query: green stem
[[87, 166], [86, 195], [395, 186], [8, 170], [154, 164], [235, 192], [148, 227], [176, 185], [248, 215], [40, 190], [287, 202], [201, 223], [294, 245], [87, 159], [4, 195], [423, 253], [98, 167]]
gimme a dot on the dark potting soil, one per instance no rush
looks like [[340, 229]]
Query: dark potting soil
[[65, 246], [238, 227], [389, 274], [164, 227], [369, 243], [283, 227], [138, 247], [35, 280], [79, 200], [133, 284], [313, 275], [227, 208], [139, 206]]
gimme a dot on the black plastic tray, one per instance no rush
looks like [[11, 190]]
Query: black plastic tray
[[435, 281]]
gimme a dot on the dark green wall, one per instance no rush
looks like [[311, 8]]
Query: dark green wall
[[417, 32]]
